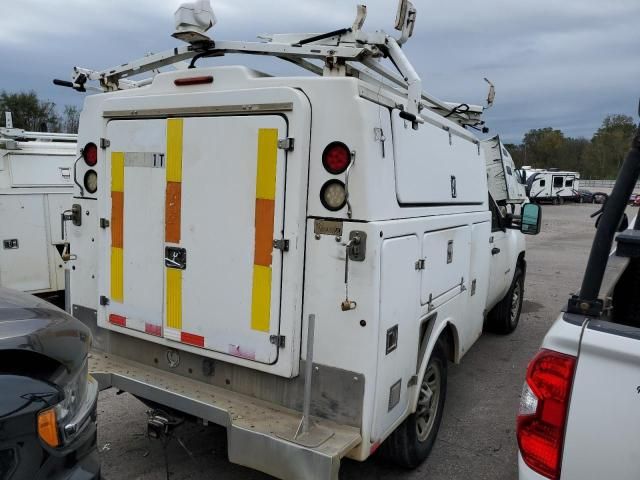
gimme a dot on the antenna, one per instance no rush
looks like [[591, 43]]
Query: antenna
[[491, 96], [405, 20]]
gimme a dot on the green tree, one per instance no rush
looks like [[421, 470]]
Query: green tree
[[608, 147], [29, 112], [543, 147], [70, 119]]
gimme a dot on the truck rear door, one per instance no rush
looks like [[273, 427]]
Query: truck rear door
[[195, 209], [603, 425]]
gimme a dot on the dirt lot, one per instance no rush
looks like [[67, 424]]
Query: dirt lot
[[477, 437]]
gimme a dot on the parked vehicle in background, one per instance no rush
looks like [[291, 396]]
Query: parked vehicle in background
[[249, 244], [551, 185], [36, 185], [48, 400], [579, 415], [636, 201], [585, 196], [632, 198]]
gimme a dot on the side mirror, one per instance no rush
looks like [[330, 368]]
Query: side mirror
[[531, 219]]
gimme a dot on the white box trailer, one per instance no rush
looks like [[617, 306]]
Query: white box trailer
[[551, 185], [36, 186], [294, 258]]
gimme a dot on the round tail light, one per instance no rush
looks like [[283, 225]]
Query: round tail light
[[336, 158], [90, 154], [91, 181], [333, 195]]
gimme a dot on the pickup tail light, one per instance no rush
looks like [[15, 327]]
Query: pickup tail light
[[542, 416]]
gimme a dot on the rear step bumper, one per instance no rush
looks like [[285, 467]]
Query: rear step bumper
[[255, 429]]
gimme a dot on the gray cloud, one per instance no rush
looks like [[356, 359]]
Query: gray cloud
[[561, 64]]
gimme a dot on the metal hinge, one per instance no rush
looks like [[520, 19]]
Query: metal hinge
[[278, 340], [104, 300], [104, 223], [286, 144], [421, 264], [281, 245], [104, 143]]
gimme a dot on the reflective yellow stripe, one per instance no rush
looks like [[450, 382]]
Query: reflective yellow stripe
[[117, 280], [265, 204], [117, 254], [261, 298], [174, 149], [174, 298], [267, 160], [117, 172]]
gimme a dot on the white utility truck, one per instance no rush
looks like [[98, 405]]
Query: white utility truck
[[551, 185], [294, 258], [36, 186], [579, 416]]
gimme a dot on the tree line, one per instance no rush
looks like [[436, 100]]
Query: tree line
[[598, 158], [36, 115]]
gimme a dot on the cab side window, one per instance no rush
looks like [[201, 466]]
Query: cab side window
[[497, 220]]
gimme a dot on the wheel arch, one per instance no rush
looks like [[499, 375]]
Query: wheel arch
[[430, 333]]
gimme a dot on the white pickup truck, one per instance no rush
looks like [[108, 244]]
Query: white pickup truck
[[579, 414], [294, 258]]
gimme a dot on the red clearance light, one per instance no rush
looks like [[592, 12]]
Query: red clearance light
[[542, 416], [90, 154], [183, 82], [336, 158]]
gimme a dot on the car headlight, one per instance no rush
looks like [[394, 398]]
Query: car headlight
[[75, 410]]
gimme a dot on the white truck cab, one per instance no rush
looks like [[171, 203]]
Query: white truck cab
[[579, 415], [295, 258], [36, 186]]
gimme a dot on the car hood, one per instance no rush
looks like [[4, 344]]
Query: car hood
[[29, 323]]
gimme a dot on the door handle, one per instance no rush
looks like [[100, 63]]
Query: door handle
[[495, 251]]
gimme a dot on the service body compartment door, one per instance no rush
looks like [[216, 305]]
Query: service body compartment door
[[24, 262], [399, 330], [436, 167], [447, 256], [202, 203]]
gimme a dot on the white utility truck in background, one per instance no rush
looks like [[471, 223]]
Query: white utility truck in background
[[551, 185], [294, 258], [36, 186], [579, 415]]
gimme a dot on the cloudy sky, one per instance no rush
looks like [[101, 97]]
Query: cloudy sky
[[559, 63]]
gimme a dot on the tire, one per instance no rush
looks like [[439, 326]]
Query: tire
[[581, 200], [410, 444], [560, 201], [504, 317], [555, 201]]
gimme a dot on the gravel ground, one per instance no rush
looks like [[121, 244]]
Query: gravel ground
[[476, 439]]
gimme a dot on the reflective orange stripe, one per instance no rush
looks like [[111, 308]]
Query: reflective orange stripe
[[173, 204], [117, 216], [264, 232]]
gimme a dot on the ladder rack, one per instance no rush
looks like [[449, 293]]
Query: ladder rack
[[346, 52]]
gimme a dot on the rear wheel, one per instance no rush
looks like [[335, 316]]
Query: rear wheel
[[410, 444], [504, 317], [555, 201]]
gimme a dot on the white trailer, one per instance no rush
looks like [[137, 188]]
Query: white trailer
[[504, 181], [294, 258], [551, 185], [36, 186]]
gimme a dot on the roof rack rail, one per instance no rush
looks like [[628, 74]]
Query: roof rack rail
[[345, 52]]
